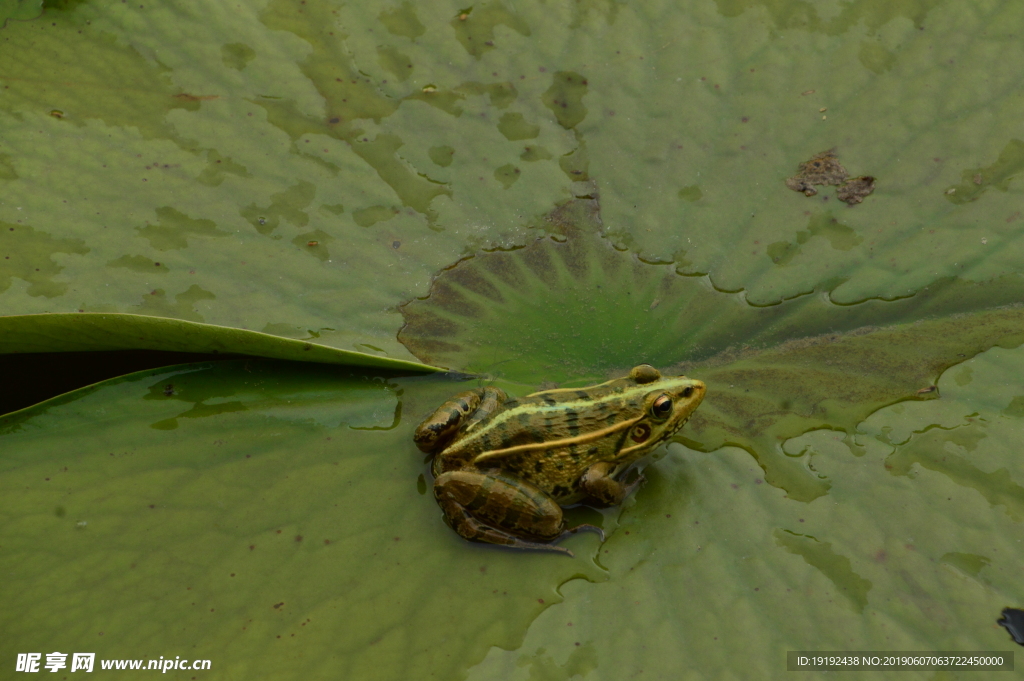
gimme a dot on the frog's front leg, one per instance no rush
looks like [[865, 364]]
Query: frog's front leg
[[499, 509], [598, 483], [460, 411]]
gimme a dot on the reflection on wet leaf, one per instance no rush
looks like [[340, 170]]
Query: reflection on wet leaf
[[841, 237], [28, 256], [949, 452], [19, 10], [1015, 408], [800, 14], [315, 243], [395, 63], [218, 168], [514, 127], [367, 217], [7, 171], [175, 229], [474, 27], [691, 193], [836, 568], [507, 175], [565, 98], [157, 304], [237, 55], [976, 181], [442, 155], [138, 263], [968, 563], [288, 205], [402, 21]]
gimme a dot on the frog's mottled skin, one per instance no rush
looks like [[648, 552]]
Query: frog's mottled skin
[[503, 468]]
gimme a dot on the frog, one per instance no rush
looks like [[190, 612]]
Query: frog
[[504, 469]]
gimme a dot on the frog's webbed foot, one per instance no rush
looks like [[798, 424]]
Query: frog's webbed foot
[[640, 479]]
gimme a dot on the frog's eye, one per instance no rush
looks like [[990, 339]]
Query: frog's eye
[[662, 407]]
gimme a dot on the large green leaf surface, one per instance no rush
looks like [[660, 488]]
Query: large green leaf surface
[[546, 192], [264, 516]]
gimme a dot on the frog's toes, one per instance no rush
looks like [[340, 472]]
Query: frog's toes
[[586, 528], [631, 487]]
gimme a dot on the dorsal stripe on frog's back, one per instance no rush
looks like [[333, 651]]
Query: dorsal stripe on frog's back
[[552, 444], [616, 397]]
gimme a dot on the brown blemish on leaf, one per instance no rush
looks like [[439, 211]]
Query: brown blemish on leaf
[[976, 181], [853, 191], [821, 169], [824, 169]]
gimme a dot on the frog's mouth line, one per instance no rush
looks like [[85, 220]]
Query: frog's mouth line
[[579, 439]]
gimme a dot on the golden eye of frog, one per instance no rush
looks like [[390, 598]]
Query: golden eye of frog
[[504, 468]]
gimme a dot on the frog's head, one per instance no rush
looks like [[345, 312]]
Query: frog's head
[[667, 403]]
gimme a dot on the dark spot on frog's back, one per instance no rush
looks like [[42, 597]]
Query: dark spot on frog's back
[[549, 400], [560, 491], [538, 466], [572, 423]]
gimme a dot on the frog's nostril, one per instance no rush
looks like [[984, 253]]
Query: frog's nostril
[[687, 392]]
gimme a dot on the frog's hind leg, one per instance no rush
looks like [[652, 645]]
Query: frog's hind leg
[[472, 529], [496, 509]]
